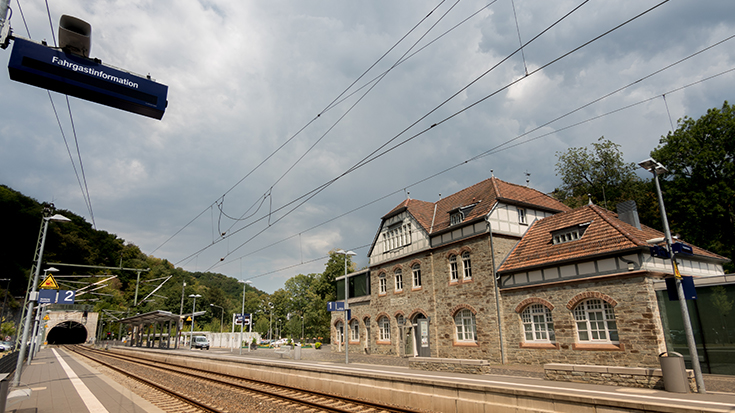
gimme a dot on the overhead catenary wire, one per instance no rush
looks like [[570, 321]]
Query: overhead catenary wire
[[505, 145], [340, 118], [368, 159], [297, 133], [375, 155], [459, 165], [82, 181]]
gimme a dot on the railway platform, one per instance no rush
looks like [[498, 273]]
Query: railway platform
[[61, 383], [64, 383]]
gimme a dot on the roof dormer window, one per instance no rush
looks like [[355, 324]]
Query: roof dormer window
[[569, 234], [456, 218]]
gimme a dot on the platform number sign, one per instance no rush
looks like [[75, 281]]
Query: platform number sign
[[56, 296]]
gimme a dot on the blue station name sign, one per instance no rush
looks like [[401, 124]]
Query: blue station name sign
[[53, 69]]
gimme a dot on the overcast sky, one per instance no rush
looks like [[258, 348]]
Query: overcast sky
[[246, 77]]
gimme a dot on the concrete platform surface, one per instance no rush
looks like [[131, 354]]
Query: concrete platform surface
[[61, 383]]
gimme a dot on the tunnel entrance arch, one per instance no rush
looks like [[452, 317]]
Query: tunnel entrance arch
[[68, 332]]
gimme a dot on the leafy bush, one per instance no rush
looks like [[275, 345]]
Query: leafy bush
[[317, 345]]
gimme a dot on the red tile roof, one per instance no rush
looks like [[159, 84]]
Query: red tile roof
[[484, 194], [605, 234]]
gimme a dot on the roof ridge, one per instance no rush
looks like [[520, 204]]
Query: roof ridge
[[626, 234], [495, 186]]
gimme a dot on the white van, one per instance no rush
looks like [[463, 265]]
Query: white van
[[200, 342]]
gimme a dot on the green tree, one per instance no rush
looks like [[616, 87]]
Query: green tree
[[699, 188], [600, 173]]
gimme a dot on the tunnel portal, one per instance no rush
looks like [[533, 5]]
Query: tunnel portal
[[68, 332]]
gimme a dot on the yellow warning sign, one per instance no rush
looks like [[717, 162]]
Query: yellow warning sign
[[677, 274], [46, 317], [49, 283], [188, 318]]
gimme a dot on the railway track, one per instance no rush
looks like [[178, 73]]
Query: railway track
[[201, 390]]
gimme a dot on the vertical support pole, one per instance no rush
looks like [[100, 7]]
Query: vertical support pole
[[680, 293]]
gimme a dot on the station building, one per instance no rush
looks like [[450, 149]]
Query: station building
[[504, 273]]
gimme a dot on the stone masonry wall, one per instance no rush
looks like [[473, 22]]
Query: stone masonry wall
[[637, 318]]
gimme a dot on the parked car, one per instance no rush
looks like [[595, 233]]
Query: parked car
[[6, 346], [280, 342], [200, 342]]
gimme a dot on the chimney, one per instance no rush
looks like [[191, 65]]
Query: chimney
[[628, 213]]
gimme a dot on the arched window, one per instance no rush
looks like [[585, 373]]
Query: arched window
[[596, 322], [355, 330], [399, 279], [466, 328], [453, 274], [416, 275], [466, 266], [537, 324], [384, 327], [340, 332]]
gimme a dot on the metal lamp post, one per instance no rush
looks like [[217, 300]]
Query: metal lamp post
[[656, 168], [347, 330], [242, 311], [193, 310], [270, 325], [221, 317], [33, 298], [36, 321]]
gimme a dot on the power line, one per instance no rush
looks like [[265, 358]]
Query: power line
[[373, 157], [309, 195], [504, 146], [328, 107]]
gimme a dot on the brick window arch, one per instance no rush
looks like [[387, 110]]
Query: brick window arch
[[590, 294]]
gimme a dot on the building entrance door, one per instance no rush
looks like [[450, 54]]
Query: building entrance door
[[421, 332]]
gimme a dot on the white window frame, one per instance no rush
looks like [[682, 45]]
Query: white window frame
[[465, 326], [522, 216], [398, 279], [466, 266], [416, 275], [453, 271], [384, 328], [354, 330], [595, 322], [382, 284], [538, 326], [340, 332]]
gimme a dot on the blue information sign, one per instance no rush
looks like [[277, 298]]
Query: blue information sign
[[335, 306], [56, 296], [687, 283], [48, 68], [47, 296]]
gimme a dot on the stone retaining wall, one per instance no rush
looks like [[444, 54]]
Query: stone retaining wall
[[611, 375], [452, 365]]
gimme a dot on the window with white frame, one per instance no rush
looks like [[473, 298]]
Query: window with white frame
[[522, 216], [399, 279], [595, 321], [466, 328], [466, 266], [382, 284], [455, 218], [569, 234], [537, 324], [355, 330], [384, 327], [453, 273], [397, 236], [416, 275], [340, 332]]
